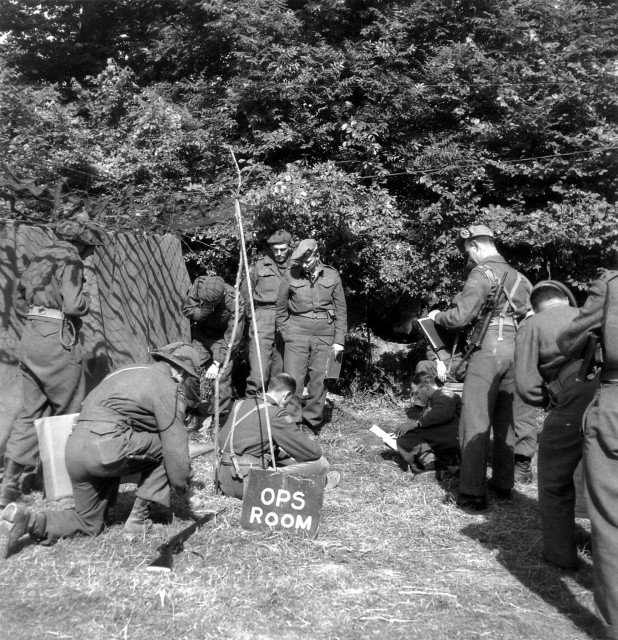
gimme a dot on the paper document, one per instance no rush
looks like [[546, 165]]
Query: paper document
[[387, 438]]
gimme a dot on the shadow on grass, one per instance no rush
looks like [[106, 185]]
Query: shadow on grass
[[512, 531]]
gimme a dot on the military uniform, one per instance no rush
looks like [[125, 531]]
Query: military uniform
[[436, 433], [489, 386], [294, 451], [600, 313], [265, 277], [541, 368], [133, 422], [311, 317], [210, 307], [50, 299]]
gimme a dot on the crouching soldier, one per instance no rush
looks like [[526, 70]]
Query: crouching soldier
[[431, 442], [132, 423], [244, 441]]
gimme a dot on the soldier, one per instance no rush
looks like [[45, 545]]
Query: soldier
[[600, 314], [51, 300], [541, 371], [489, 386], [312, 318], [210, 307], [265, 277], [431, 442], [244, 441], [133, 422]]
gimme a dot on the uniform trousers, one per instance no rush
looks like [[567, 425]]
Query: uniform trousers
[[560, 450], [488, 395], [601, 472], [194, 398], [524, 424], [98, 455], [423, 441], [307, 345], [231, 484], [53, 384], [270, 350]]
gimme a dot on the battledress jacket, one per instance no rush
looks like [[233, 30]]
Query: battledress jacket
[[54, 279], [590, 318], [299, 295], [537, 357], [265, 277], [145, 397], [215, 328], [251, 433], [482, 281]]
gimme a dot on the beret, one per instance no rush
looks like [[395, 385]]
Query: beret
[[280, 237], [309, 245]]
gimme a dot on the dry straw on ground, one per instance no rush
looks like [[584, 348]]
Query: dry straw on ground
[[394, 558]]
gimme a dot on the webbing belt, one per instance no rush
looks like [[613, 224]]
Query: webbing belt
[[230, 438]]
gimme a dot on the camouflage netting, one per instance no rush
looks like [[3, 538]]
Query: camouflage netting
[[137, 284]]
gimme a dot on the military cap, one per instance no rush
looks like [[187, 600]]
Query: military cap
[[473, 231], [78, 228], [280, 237], [210, 290], [562, 290], [182, 355], [305, 249]]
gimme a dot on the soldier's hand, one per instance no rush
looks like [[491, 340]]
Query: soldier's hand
[[432, 314], [404, 428], [337, 347], [213, 371]]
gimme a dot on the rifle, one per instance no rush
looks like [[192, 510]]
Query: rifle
[[589, 358], [175, 544], [480, 328]]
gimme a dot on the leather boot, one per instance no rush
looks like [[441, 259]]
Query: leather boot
[[138, 521], [10, 490], [16, 522]]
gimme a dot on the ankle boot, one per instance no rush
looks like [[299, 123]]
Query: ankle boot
[[10, 490], [17, 522], [138, 521]]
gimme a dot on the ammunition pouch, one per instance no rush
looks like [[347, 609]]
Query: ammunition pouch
[[240, 464]]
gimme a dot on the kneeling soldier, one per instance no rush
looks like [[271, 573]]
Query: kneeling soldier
[[244, 441], [133, 422], [431, 442]]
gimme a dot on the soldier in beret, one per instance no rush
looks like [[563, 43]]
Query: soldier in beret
[[312, 319], [489, 386], [542, 373], [210, 307], [599, 316], [264, 279], [133, 422], [50, 299]]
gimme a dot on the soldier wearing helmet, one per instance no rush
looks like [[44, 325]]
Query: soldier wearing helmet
[[132, 423]]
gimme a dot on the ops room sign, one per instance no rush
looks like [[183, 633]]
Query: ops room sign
[[276, 501]]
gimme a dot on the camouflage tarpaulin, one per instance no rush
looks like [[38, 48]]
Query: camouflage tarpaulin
[[137, 284]]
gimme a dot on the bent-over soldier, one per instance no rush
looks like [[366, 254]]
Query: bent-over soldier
[[210, 307], [489, 386], [265, 277], [542, 373], [51, 300], [600, 315], [133, 422], [244, 440], [312, 318]]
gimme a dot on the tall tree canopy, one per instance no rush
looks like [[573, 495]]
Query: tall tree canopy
[[377, 126]]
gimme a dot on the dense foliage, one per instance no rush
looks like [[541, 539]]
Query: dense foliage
[[376, 126]]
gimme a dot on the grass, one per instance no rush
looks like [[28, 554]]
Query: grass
[[394, 558]]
